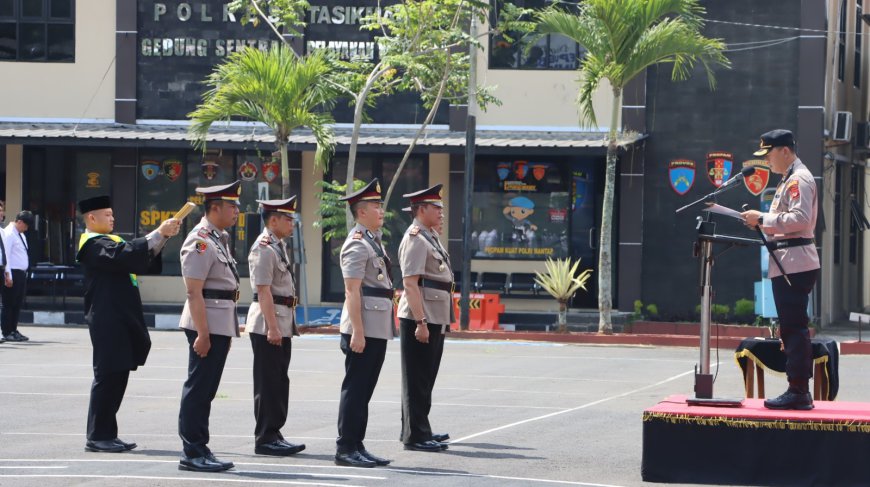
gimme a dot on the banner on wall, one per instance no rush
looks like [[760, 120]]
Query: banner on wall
[[522, 212]]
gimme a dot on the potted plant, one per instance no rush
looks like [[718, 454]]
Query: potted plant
[[562, 282]]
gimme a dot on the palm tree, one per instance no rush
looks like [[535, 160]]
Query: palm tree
[[276, 88], [622, 39]]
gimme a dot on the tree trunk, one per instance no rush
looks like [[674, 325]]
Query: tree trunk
[[417, 135], [563, 317], [359, 106], [285, 170], [605, 291]]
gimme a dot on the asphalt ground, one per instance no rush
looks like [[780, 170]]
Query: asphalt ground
[[518, 413]]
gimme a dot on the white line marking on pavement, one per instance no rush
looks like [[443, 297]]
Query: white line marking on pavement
[[180, 479], [501, 477], [584, 406], [32, 467], [261, 472], [168, 435]]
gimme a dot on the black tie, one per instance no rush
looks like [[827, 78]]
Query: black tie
[[21, 236]]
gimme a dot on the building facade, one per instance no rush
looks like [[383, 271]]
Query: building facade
[[108, 115]]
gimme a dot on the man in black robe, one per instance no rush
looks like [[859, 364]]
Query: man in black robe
[[113, 310]]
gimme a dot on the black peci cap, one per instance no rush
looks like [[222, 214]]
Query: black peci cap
[[95, 203], [774, 138]]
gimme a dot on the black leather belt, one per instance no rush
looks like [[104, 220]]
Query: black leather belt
[[378, 292], [791, 242], [440, 285], [221, 294], [283, 300]]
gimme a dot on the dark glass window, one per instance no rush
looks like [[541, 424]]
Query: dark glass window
[[517, 52], [61, 9], [7, 8], [37, 30]]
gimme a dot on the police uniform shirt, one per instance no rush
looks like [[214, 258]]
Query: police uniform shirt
[[201, 258], [360, 261], [270, 266], [793, 215], [419, 257]]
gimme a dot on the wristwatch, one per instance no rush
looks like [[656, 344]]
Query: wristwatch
[[421, 322]]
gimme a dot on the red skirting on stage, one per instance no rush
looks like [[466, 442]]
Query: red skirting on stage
[[751, 445]]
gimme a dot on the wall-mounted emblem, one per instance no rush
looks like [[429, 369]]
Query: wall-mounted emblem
[[681, 174], [150, 170], [719, 166], [209, 170], [270, 171], [93, 180], [757, 181], [172, 169], [248, 171]]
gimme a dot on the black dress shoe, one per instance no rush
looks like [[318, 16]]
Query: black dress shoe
[[227, 465], [104, 446], [381, 462], [427, 445], [201, 464], [12, 337], [440, 437], [353, 459], [278, 448], [299, 447], [791, 400], [127, 446], [19, 337]]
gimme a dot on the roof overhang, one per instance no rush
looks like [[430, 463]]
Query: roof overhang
[[374, 139]]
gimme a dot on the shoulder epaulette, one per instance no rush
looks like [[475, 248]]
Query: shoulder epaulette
[[265, 240], [414, 231], [203, 232], [358, 235]]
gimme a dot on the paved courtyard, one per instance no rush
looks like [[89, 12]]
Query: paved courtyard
[[518, 413]]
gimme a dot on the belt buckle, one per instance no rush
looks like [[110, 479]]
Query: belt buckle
[[452, 287], [236, 297], [294, 301]]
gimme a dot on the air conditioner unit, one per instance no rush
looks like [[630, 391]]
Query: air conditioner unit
[[842, 126], [862, 135]]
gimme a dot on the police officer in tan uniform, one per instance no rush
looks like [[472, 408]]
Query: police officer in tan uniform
[[271, 323], [425, 313], [209, 320], [790, 223], [366, 323]]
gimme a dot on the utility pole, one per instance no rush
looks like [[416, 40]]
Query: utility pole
[[470, 137]]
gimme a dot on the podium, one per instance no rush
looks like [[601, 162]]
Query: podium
[[703, 250]]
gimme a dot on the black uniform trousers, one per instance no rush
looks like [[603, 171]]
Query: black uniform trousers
[[13, 298], [791, 307], [200, 388], [271, 387], [107, 392], [361, 371], [420, 364]]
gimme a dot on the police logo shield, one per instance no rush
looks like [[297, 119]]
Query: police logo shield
[[681, 174], [719, 166], [757, 181]]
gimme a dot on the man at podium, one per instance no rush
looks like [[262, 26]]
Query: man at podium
[[790, 222]]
